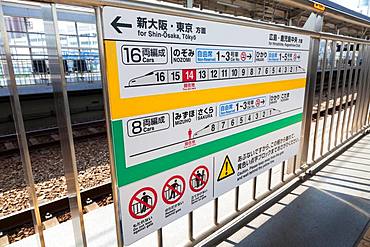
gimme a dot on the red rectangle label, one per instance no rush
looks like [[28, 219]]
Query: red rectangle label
[[188, 75]]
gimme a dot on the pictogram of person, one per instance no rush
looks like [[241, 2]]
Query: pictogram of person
[[174, 185], [145, 198], [198, 179], [190, 132]]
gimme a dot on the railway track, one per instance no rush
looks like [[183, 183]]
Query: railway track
[[45, 137], [94, 176], [55, 208]]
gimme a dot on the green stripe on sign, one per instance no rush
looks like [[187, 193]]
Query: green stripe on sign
[[149, 168], [118, 149]]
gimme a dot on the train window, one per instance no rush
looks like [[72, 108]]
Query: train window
[[39, 66], [15, 24], [66, 66], [80, 65], [338, 47]]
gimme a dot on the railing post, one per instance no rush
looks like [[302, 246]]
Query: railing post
[[20, 130], [346, 117], [365, 107], [309, 100], [360, 90], [99, 29], [328, 95], [356, 85], [57, 78], [291, 165], [344, 77], [321, 92], [336, 92], [189, 3]]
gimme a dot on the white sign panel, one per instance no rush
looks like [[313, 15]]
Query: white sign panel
[[197, 108]]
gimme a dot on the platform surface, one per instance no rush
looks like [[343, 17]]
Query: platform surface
[[330, 210]]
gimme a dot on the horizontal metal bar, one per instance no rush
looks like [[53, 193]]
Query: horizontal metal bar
[[62, 34]]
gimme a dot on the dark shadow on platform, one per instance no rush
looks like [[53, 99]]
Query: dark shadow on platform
[[315, 218]]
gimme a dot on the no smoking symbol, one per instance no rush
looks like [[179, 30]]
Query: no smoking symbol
[[142, 203], [173, 189]]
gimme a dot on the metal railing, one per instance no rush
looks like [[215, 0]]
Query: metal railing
[[341, 108]]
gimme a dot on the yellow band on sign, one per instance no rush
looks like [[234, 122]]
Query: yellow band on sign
[[121, 108]]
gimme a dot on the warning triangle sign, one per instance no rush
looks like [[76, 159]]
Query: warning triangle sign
[[226, 170]]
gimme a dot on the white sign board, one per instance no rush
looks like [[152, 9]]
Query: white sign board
[[197, 108]]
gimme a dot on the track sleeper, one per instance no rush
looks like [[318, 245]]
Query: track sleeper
[[4, 240], [93, 130], [33, 141], [91, 207], [50, 222], [9, 145], [55, 137]]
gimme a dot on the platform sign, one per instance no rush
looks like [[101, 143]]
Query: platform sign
[[197, 108]]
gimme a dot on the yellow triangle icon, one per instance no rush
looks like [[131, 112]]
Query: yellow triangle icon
[[226, 170]]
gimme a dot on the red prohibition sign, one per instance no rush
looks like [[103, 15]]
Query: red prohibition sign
[[243, 55], [197, 181], [142, 204], [258, 101], [173, 189]]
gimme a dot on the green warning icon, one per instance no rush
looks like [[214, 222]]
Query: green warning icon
[[226, 170]]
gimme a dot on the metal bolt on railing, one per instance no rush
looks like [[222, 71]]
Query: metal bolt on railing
[[89, 201], [48, 216]]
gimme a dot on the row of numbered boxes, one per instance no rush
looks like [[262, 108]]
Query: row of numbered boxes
[[236, 121], [193, 75]]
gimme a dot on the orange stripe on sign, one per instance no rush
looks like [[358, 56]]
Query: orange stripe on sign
[[121, 108]]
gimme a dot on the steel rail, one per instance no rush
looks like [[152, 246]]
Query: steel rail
[[16, 220], [48, 132], [53, 129]]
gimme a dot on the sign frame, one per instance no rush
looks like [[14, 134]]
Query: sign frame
[[107, 92]]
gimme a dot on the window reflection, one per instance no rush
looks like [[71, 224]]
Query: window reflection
[[28, 47]]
